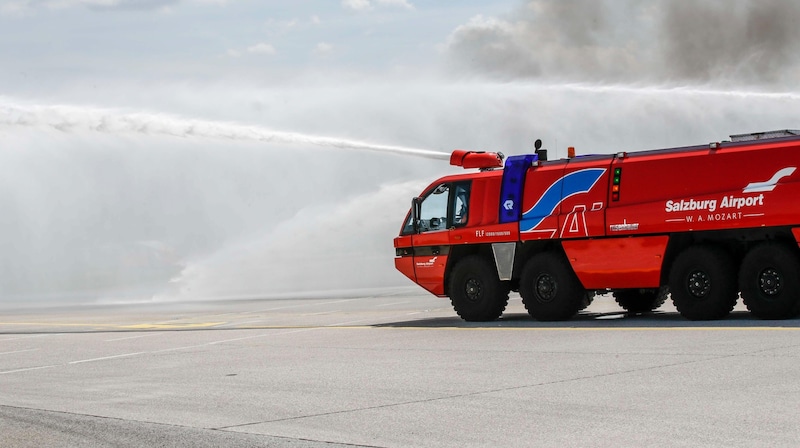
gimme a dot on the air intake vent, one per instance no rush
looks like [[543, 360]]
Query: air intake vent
[[764, 135]]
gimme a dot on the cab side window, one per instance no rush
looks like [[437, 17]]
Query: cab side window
[[433, 212], [460, 210], [444, 207]]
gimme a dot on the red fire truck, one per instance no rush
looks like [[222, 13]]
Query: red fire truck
[[704, 224]]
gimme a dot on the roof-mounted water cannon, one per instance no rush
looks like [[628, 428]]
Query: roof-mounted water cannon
[[482, 160]]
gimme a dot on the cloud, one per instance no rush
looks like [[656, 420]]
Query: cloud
[[27, 7], [357, 5], [261, 48], [405, 4], [114, 4], [282, 25], [323, 48], [367, 5], [738, 41]]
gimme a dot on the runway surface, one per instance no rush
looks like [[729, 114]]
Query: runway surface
[[395, 370]]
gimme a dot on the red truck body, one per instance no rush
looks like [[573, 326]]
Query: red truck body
[[706, 223]]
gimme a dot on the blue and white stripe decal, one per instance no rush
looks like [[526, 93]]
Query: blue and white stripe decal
[[577, 182]]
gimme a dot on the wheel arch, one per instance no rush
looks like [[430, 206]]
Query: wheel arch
[[527, 250], [460, 252]]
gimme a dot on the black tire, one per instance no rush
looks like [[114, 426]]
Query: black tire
[[768, 280], [550, 289], [641, 300], [588, 300], [475, 290], [702, 283]]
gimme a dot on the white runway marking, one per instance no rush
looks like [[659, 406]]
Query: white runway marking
[[27, 337], [106, 357], [19, 351], [135, 337], [27, 369]]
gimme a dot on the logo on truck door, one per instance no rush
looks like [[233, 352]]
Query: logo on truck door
[[574, 183], [727, 207], [427, 264], [757, 187]]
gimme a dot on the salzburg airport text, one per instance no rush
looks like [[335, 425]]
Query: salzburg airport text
[[711, 204]]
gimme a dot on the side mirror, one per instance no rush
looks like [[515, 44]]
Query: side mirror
[[435, 223]]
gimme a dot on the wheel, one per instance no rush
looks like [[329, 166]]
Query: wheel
[[641, 300], [702, 282], [550, 289], [769, 281], [476, 292]]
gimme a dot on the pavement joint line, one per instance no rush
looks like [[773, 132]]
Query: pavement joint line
[[175, 425]]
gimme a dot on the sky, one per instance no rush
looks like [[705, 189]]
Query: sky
[[200, 149]]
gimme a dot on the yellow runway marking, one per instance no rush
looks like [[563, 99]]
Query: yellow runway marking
[[171, 326]]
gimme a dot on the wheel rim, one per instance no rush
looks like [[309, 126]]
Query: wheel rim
[[473, 290], [770, 282], [546, 288], [699, 284]]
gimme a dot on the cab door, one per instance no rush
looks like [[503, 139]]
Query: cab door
[[432, 242]]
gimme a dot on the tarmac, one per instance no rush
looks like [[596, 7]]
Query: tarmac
[[393, 370]]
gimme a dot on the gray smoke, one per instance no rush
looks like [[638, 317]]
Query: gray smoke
[[742, 42], [748, 41]]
